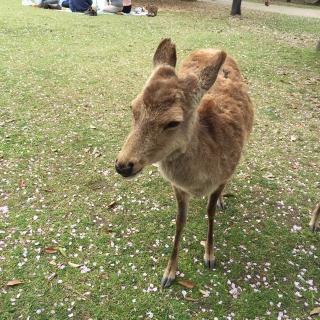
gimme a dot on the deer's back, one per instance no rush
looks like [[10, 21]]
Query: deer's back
[[226, 111], [227, 103], [225, 117]]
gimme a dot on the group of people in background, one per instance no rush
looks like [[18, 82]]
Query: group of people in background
[[85, 6]]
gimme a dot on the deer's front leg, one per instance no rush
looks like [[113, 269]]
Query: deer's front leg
[[182, 203], [211, 210], [315, 219]]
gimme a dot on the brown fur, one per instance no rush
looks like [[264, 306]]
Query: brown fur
[[152, 10], [315, 219], [194, 124]]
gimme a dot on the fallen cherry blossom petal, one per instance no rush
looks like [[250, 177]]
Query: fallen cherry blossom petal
[[4, 209]]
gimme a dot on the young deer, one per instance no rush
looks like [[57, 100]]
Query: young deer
[[315, 219], [193, 123]]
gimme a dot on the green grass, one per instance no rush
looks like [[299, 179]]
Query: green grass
[[294, 3], [66, 84]]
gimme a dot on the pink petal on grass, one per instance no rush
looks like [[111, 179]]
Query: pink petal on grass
[[4, 209]]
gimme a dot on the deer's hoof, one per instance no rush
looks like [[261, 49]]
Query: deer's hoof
[[314, 228], [169, 274], [166, 282], [209, 260], [221, 205], [210, 264]]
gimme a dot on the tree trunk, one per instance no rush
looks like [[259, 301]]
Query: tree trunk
[[236, 7]]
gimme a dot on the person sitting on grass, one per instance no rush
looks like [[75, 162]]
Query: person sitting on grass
[[80, 5], [112, 6], [126, 6], [49, 4], [65, 4]]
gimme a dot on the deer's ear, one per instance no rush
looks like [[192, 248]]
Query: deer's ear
[[165, 53], [208, 75], [202, 78]]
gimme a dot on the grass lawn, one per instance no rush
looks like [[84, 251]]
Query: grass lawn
[[293, 3], [87, 244]]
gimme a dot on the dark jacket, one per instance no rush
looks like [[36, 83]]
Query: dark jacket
[[65, 4], [80, 5]]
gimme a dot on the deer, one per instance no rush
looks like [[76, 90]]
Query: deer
[[193, 124], [315, 219]]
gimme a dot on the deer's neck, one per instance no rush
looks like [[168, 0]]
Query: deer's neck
[[194, 168], [192, 146]]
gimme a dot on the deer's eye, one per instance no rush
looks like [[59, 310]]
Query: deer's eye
[[172, 124]]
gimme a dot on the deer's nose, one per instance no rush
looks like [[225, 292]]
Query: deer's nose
[[125, 169]]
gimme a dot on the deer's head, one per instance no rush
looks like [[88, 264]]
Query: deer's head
[[163, 114]]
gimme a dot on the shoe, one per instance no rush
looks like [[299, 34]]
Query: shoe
[[55, 7], [91, 12]]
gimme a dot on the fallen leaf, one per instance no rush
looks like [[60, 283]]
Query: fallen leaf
[[52, 276], [21, 183], [112, 204], [13, 282], [104, 276], [5, 122], [50, 250], [107, 230], [229, 195], [186, 283], [315, 311], [62, 251], [74, 265], [269, 176], [96, 153], [191, 299]]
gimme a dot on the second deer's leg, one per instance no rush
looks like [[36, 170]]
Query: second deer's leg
[[211, 210], [315, 219], [182, 203]]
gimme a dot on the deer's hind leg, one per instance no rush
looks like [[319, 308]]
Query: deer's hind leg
[[182, 203], [221, 203], [315, 219], [209, 258]]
